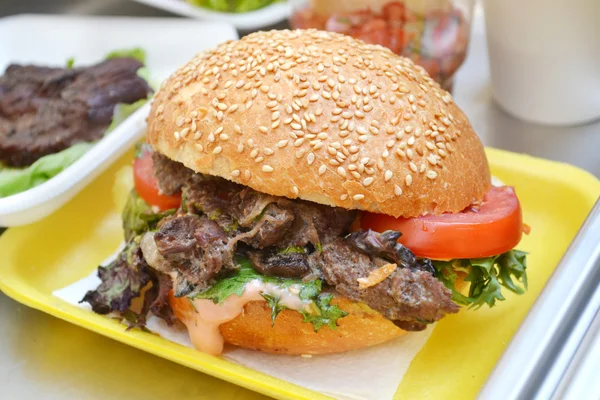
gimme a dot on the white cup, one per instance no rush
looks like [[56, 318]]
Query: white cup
[[545, 58]]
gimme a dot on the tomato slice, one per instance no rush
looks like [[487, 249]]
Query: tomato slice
[[146, 184], [494, 228]]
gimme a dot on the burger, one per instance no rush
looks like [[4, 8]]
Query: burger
[[302, 192]]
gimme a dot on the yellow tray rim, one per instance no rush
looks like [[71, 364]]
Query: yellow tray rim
[[580, 180]]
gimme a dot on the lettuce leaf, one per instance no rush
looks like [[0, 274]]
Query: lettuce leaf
[[138, 217], [16, 180], [487, 276], [136, 52], [235, 6], [122, 281], [320, 311]]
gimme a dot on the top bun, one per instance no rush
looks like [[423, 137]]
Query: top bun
[[323, 117]]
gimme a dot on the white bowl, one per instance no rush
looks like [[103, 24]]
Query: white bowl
[[168, 43]]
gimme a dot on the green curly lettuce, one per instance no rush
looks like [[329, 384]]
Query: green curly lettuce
[[487, 276]]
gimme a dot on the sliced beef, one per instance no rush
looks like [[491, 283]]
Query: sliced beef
[[284, 264], [106, 84], [385, 245], [413, 297], [317, 224], [274, 225], [171, 175], [195, 247], [251, 205], [212, 196], [285, 222], [46, 110], [290, 239]]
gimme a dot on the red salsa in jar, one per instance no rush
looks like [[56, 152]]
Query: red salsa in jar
[[435, 38]]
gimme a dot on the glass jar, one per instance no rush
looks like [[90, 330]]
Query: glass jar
[[433, 33]]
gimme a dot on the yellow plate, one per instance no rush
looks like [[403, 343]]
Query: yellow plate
[[40, 258]]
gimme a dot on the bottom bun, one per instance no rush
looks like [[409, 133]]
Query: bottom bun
[[253, 328], [362, 327]]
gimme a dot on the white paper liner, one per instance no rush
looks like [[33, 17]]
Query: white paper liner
[[371, 374]]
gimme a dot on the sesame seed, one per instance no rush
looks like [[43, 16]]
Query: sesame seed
[[267, 168], [217, 150], [388, 175], [431, 174], [176, 134], [180, 121], [358, 197], [299, 142], [263, 129], [300, 153], [368, 181], [310, 158], [408, 180], [322, 169], [268, 151], [224, 136], [341, 171], [240, 148], [295, 190], [397, 190], [235, 172]]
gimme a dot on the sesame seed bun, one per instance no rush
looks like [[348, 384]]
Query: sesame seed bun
[[322, 117], [362, 327], [254, 328]]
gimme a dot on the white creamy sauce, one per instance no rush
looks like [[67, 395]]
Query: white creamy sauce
[[204, 328]]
